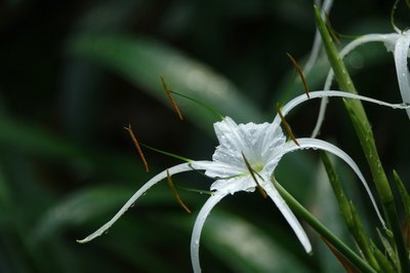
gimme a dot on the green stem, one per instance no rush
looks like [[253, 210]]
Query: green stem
[[357, 113], [299, 210], [401, 247], [365, 134], [349, 213]]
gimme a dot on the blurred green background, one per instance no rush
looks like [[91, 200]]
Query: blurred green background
[[73, 73]]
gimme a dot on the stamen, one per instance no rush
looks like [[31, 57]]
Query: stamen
[[176, 194], [299, 70], [167, 153], [137, 146], [288, 129], [252, 172], [207, 107], [195, 190], [171, 99]]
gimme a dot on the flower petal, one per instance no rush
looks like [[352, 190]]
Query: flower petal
[[273, 193], [235, 184], [331, 93], [184, 167], [312, 143], [231, 143], [401, 52], [271, 139], [227, 132], [257, 141], [199, 223], [388, 39]]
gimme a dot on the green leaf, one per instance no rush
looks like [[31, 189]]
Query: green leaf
[[325, 206], [246, 248], [405, 197], [30, 139], [81, 207], [349, 213], [89, 204], [143, 61], [365, 134]]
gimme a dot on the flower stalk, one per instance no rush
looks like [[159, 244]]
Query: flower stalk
[[349, 213], [365, 134], [303, 213]]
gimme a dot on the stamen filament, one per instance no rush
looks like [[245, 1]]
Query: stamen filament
[[195, 190], [137, 146], [176, 194], [252, 172], [171, 99], [207, 107], [167, 153]]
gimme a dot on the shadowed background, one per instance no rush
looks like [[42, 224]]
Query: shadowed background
[[74, 73]]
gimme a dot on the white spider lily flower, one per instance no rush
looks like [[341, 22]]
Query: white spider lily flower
[[398, 43], [246, 158]]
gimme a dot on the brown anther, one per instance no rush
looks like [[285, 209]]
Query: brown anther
[[288, 129], [176, 194], [299, 70], [171, 99], [137, 146], [252, 172]]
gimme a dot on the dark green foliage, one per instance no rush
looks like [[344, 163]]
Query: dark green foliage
[[74, 73]]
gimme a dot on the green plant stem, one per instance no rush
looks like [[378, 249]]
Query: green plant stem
[[365, 134], [347, 252], [357, 114], [349, 213], [405, 199]]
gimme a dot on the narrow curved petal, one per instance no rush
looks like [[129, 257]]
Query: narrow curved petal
[[317, 42], [184, 167], [388, 39], [199, 223], [312, 143], [400, 58], [273, 193], [320, 117], [331, 93]]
